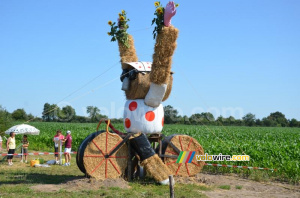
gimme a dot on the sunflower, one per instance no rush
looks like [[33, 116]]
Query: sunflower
[[109, 34], [123, 11], [109, 22], [120, 14], [122, 18], [156, 3], [159, 10]]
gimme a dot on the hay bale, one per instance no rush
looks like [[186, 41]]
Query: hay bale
[[183, 143], [162, 58], [81, 149], [156, 168], [139, 87], [99, 167], [127, 54]]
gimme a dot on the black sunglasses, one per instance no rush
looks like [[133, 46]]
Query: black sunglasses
[[131, 74]]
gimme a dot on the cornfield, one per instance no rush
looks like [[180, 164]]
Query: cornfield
[[275, 148]]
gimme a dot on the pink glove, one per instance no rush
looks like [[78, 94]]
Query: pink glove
[[170, 11]]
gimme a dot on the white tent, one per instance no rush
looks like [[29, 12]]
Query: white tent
[[23, 129]]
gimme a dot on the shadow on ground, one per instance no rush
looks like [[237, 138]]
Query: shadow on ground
[[36, 178]]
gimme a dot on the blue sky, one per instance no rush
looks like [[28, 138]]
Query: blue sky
[[233, 57]]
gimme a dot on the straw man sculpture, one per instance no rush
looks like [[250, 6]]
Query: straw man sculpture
[[147, 85]]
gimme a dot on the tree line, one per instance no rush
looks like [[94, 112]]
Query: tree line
[[53, 113], [276, 119]]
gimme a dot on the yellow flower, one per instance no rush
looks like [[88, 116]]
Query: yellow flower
[[109, 23], [176, 5], [123, 11], [122, 18], [108, 33], [159, 10], [120, 14], [156, 3]]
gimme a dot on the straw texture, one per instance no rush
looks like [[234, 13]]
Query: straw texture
[[184, 143], [127, 54], [162, 57], [94, 162], [139, 87], [156, 168]]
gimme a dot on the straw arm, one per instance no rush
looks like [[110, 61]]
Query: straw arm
[[160, 75], [127, 54]]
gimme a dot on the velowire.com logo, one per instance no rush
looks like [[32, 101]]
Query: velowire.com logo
[[187, 157]]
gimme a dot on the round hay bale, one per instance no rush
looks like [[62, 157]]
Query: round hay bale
[[80, 151], [183, 143], [100, 166]]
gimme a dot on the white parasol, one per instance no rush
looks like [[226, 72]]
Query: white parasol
[[23, 129]]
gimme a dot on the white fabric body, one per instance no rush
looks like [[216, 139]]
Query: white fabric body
[[155, 94], [67, 150], [138, 117], [166, 182], [125, 84]]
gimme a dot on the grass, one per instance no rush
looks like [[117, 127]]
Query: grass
[[238, 187], [225, 187], [17, 180], [135, 191]]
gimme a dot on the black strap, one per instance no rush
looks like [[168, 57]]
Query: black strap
[[170, 156], [119, 145], [173, 146]]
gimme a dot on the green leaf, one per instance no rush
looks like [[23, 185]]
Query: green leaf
[[153, 21]]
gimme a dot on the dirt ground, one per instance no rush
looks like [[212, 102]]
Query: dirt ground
[[239, 187], [82, 184]]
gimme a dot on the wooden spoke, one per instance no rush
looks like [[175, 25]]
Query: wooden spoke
[[171, 163], [114, 166], [181, 143], [106, 168], [115, 146], [195, 164], [124, 157], [178, 169], [98, 147], [93, 156], [171, 152], [187, 169], [96, 162], [189, 143], [98, 166]]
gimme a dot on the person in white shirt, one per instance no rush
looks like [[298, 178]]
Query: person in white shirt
[[11, 146], [1, 143]]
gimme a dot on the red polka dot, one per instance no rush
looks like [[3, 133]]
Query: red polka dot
[[127, 123], [150, 116], [132, 106], [162, 122]]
